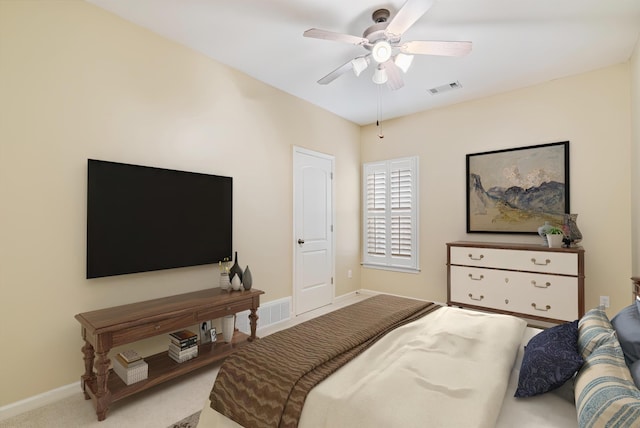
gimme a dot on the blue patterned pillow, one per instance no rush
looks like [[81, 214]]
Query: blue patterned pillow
[[550, 359]]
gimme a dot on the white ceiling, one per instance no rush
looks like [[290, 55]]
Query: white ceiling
[[516, 43]]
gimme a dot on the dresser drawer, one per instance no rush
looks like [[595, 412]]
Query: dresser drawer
[[546, 296], [521, 260], [478, 287], [549, 296], [219, 312], [131, 334]]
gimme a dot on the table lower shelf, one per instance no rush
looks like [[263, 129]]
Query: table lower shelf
[[163, 368]]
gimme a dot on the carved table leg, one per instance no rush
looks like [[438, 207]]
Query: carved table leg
[[88, 376], [103, 395], [253, 322]]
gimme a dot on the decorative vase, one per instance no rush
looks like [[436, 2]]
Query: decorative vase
[[224, 281], [247, 280], [236, 284], [571, 229], [542, 231], [235, 269], [228, 325], [223, 267]]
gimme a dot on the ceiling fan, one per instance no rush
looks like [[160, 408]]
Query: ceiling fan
[[382, 40]]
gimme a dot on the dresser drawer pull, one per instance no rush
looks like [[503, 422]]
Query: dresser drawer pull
[[546, 284], [475, 298], [546, 262], [228, 308], [476, 279], [476, 258], [542, 310]]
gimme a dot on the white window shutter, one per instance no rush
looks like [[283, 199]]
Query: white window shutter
[[390, 214], [376, 207]]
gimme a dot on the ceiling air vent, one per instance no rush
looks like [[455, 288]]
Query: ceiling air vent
[[445, 88]]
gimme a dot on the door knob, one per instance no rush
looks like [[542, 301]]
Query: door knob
[[300, 241]]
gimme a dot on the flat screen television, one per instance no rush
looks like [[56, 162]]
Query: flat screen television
[[142, 219]]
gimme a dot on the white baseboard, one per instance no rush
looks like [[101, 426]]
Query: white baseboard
[[31, 403], [343, 297], [373, 293], [367, 292]]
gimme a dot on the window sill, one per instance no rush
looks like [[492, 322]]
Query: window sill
[[391, 268]]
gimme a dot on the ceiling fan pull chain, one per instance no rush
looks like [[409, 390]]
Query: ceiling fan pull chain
[[380, 134]]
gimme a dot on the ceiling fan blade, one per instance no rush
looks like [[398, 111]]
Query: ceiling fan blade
[[336, 73], [336, 37], [394, 75], [424, 47], [408, 14]]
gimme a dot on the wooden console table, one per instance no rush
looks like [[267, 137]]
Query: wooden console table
[[106, 328]]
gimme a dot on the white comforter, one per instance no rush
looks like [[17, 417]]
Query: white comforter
[[448, 369]]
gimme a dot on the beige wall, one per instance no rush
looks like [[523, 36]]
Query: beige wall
[[635, 158], [77, 83], [591, 110]]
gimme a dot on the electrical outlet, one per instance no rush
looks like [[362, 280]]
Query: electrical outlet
[[349, 274], [604, 301]]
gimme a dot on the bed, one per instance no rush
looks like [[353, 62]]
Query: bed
[[441, 367]]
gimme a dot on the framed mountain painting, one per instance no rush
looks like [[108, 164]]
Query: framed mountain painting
[[517, 190]]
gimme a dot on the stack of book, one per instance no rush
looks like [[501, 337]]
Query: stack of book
[[130, 367], [183, 346]]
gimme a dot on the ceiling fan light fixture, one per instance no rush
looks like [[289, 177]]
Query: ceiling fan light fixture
[[381, 51], [380, 75], [359, 65], [403, 61]]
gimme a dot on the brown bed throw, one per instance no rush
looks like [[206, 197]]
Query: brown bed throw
[[265, 383]]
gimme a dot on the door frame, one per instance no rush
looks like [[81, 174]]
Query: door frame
[[301, 150]]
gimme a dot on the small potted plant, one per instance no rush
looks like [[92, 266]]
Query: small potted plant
[[554, 237]]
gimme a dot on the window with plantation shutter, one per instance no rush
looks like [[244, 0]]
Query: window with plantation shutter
[[390, 203]]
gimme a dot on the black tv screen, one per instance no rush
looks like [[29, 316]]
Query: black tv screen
[[142, 219]]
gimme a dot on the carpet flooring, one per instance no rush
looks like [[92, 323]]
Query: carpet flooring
[[163, 406], [188, 422]]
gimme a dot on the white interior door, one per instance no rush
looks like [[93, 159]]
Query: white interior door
[[313, 230]]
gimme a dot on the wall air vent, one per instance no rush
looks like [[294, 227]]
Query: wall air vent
[[445, 88]]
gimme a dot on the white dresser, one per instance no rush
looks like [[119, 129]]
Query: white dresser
[[532, 281]]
